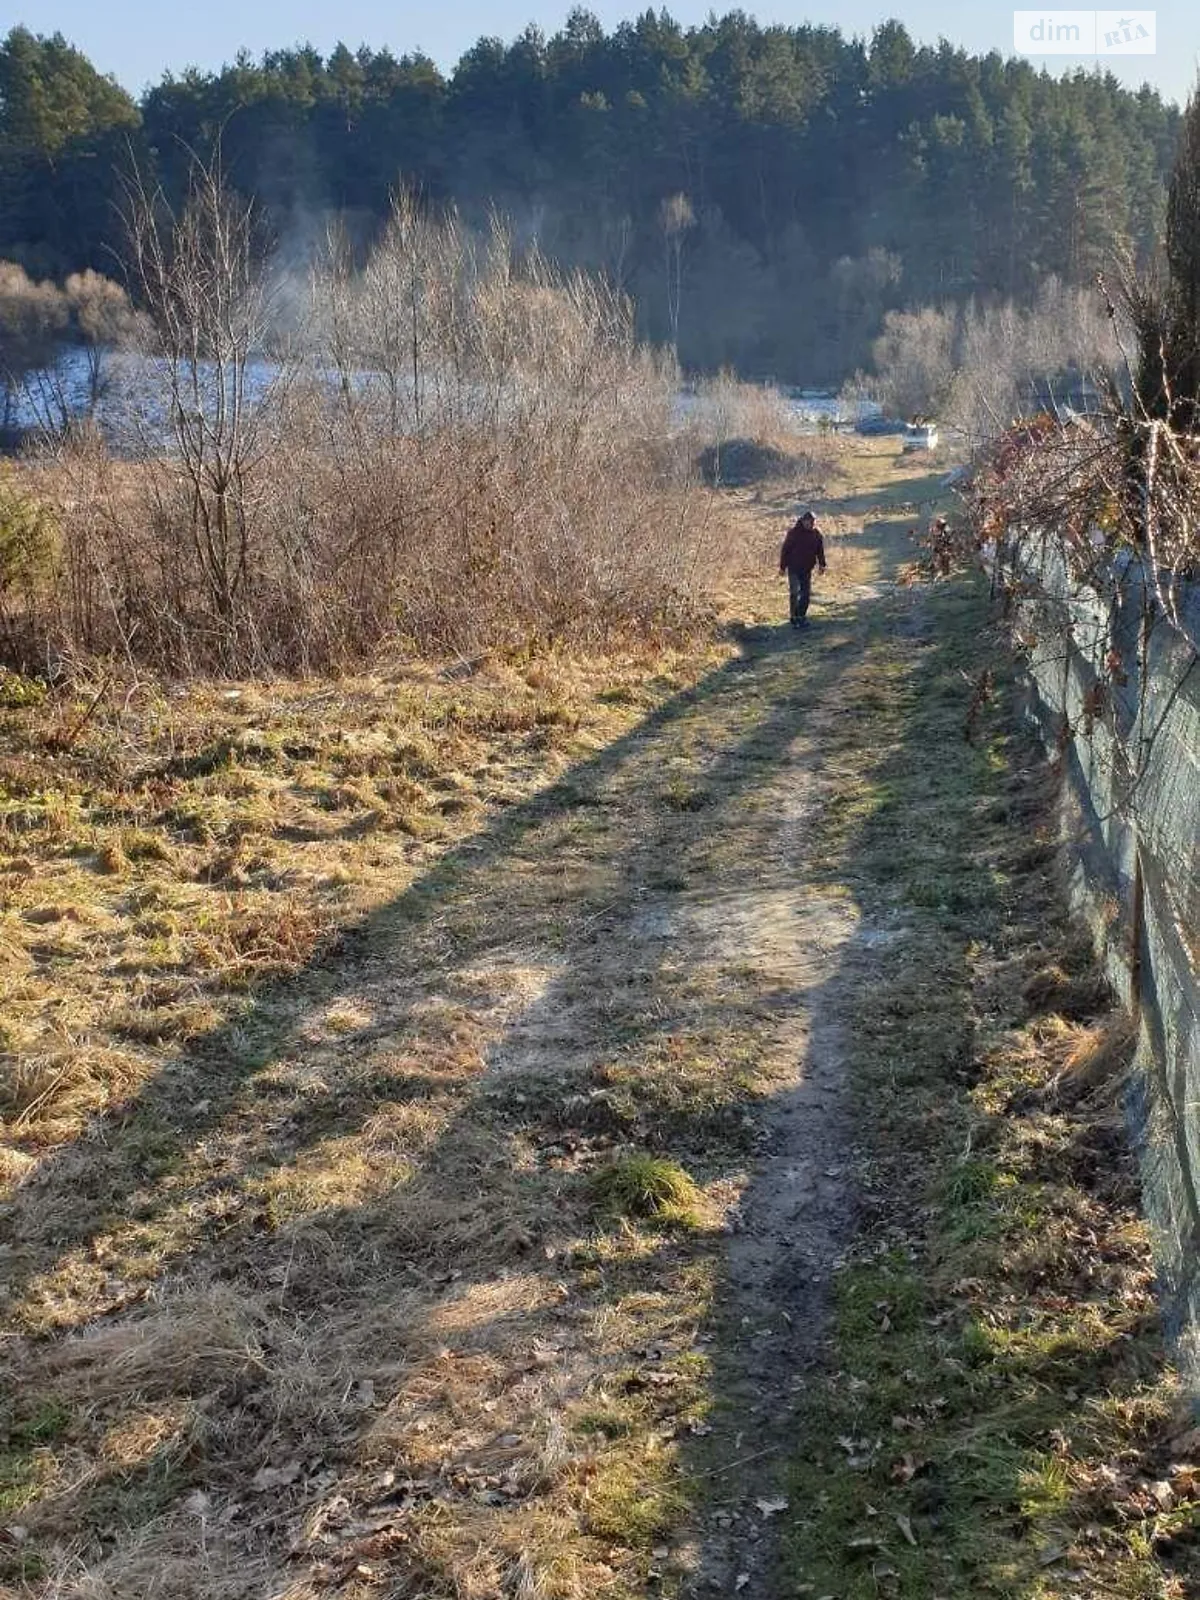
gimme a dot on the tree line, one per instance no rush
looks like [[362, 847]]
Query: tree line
[[765, 195]]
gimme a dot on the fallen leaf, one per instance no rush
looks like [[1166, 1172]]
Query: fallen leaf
[[906, 1528], [268, 1478], [771, 1508], [860, 1453]]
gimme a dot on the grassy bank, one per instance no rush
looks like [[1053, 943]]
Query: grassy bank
[[997, 1414]]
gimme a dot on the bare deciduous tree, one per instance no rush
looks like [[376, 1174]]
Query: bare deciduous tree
[[979, 367], [914, 361], [676, 218], [203, 280]]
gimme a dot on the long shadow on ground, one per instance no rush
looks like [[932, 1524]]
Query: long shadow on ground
[[192, 1182], [176, 1189], [453, 913]]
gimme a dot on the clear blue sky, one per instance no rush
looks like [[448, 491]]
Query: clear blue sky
[[137, 40]]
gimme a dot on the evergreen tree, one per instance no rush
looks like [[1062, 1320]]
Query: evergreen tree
[[808, 160], [64, 131]]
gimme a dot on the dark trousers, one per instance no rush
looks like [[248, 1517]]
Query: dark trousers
[[799, 593]]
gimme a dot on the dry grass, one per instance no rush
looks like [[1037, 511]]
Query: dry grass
[[332, 1007], [284, 1264], [198, 842]]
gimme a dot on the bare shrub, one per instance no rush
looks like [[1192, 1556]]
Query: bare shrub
[[33, 323], [498, 460], [459, 448], [979, 367], [103, 319], [733, 409]]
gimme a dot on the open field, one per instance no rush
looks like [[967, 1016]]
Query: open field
[[538, 1126]]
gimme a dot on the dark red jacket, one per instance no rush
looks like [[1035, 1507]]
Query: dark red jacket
[[803, 549]]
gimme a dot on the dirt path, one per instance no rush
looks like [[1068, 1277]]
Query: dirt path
[[796, 1214]]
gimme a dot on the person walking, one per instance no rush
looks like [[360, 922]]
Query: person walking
[[803, 551]]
